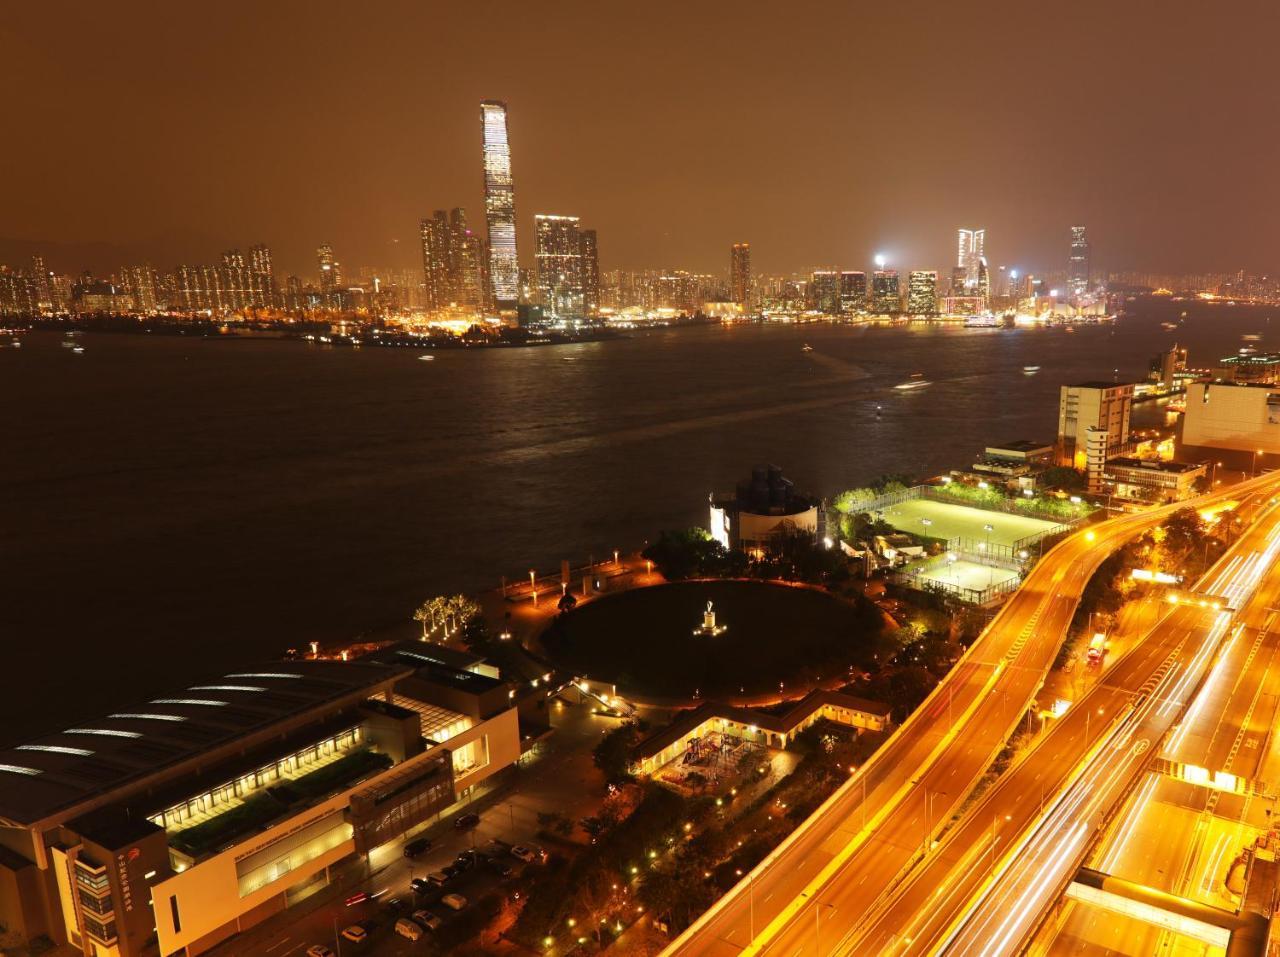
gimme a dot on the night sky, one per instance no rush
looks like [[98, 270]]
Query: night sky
[[820, 132]]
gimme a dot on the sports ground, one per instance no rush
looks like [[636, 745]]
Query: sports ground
[[948, 521], [966, 574]]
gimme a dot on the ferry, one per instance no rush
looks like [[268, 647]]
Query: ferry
[[427, 358], [917, 381], [77, 350], [806, 348], [987, 321], [1030, 370]]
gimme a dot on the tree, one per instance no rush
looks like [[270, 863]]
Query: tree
[[1063, 477], [613, 754]]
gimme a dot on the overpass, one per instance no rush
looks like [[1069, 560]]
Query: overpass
[[821, 882]]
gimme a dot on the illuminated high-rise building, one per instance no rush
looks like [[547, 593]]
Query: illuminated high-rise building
[[740, 274], [435, 259], [922, 292], [500, 206], [853, 291], [590, 254], [557, 256], [885, 298], [1078, 264], [970, 252], [824, 291], [262, 275], [330, 272], [140, 283], [983, 287]]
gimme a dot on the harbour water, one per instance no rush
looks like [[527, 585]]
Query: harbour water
[[170, 507]]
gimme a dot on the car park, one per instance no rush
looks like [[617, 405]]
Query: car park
[[408, 929], [454, 901], [417, 848]]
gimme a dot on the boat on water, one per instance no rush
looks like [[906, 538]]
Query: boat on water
[[986, 321], [806, 348], [427, 358], [1030, 370], [917, 381], [1168, 325], [77, 350]]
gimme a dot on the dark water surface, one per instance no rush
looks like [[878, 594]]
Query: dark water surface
[[172, 507]]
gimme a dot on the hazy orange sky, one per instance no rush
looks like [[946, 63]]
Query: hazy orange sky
[[820, 132]]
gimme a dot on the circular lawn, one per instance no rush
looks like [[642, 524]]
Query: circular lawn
[[643, 640]]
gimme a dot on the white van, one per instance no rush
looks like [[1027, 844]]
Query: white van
[[407, 928]]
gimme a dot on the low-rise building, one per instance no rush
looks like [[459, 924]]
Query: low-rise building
[[168, 827], [757, 726], [762, 511], [1153, 479], [1015, 463]]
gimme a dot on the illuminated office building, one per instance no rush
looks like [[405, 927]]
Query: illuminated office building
[[558, 261], [824, 291], [262, 276], [330, 271], [740, 274], [885, 299], [1078, 264], [590, 258], [970, 253], [922, 292], [500, 206], [853, 292]]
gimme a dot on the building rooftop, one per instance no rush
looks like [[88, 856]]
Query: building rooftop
[[1155, 465], [438, 665], [1100, 384], [778, 723], [62, 771], [1256, 358], [1020, 445]]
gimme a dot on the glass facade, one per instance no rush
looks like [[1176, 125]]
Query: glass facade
[[500, 205]]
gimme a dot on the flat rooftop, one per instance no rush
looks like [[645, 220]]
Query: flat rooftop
[[1099, 384], [1155, 465], [1020, 445], [60, 771]]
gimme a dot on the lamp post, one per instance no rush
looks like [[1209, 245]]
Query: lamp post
[[991, 568]]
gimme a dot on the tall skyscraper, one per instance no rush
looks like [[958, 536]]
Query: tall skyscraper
[[590, 272], [500, 206], [853, 292], [970, 253], [330, 272], [824, 291], [885, 299], [1078, 264], [557, 252], [262, 275], [740, 274], [922, 292], [435, 259]]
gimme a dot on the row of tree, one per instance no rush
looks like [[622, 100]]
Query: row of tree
[[447, 613]]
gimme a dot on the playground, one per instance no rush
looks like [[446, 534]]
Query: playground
[[921, 516]]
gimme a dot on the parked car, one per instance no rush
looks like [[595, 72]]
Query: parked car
[[408, 929], [421, 885], [466, 860], [319, 950], [428, 920], [466, 822], [438, 878], [500, 867], [530, 855], [417, 848], [497, 848], [357, 933], [454, 901]]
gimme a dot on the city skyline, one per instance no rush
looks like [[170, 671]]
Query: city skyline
[[667, 179]]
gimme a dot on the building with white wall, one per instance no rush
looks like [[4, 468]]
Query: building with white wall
[[1234, 416], [1100, 405], [168, 827]]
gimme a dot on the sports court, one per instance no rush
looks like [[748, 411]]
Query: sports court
[[965, 575], [943, 520]]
